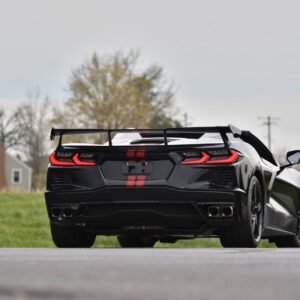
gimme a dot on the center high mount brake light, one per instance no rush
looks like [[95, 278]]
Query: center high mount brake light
[[206, 159], [70, 159]]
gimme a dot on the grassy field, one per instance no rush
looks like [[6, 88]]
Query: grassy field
[[24, 223]]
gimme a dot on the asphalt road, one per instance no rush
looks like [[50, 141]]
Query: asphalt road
[[141, 274]]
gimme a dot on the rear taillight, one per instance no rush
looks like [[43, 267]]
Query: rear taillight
[[63, 161], [83, 159], [211, 158], [66, 159]]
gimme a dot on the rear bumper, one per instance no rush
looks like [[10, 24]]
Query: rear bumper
[[154, 210]]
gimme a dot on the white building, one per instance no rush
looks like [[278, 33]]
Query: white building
[[14, 174]]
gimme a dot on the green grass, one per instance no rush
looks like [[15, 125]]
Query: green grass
[[24, 223]]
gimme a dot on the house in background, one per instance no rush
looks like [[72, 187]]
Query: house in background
[[14, 174]]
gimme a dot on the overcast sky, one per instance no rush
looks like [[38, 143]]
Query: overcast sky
[[231, 61]]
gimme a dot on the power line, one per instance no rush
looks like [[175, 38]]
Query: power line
[[269, 122]]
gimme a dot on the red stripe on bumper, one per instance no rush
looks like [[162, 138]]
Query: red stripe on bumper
[[140, 180], [131, 181]]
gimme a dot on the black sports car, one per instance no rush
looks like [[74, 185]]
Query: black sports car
[[148, 185]]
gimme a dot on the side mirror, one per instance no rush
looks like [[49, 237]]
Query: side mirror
[[293, 157]]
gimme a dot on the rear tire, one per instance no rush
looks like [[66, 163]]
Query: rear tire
[[248, 233], [136, 242], [71, 237]]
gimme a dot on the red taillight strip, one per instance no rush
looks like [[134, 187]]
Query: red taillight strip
[[196, 161], [234, 156], [55, 162], [79, 162], [74, 161], [208, 160]]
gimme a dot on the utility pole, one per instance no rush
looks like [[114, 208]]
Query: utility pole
[[186, 121], [269, 121]]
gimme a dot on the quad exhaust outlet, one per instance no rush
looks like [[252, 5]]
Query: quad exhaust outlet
[[62, 212], [220, 211]]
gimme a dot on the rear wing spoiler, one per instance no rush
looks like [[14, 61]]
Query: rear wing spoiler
[[165, 133], [246, 136]]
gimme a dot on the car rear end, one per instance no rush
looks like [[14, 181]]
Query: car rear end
[[159, 182]]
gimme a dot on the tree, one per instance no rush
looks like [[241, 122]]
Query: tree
[[112, 92], [9, 132], [32, 121]]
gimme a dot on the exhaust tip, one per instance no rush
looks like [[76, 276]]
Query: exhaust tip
[[213, 211], [55, 212], [227, 211], [67, 212]]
